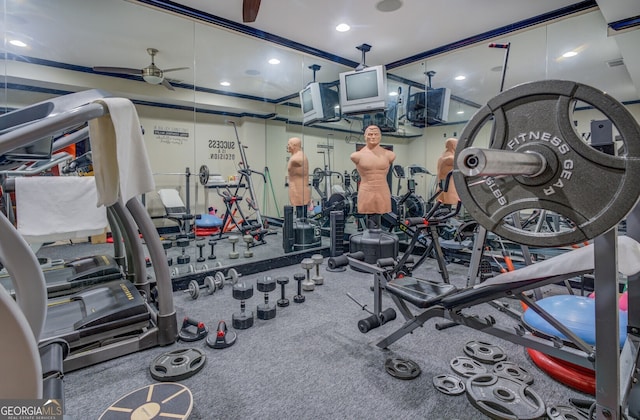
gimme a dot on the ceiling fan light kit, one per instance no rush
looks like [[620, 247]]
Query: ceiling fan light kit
[[151, 74]]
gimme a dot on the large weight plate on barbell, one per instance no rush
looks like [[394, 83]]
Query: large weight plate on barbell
[[177, 365], [501, 397], [203, 175], [590, 189]]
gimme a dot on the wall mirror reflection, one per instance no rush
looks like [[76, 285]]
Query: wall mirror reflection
[[220, 104]]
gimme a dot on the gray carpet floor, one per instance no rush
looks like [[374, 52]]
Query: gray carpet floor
[[310, 361]]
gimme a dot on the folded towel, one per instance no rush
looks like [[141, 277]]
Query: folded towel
[[52, 208], [120, 162]]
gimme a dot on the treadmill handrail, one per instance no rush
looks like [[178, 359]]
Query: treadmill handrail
[[30, 133]]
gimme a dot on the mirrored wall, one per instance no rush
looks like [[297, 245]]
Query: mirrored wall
[[229, 108]]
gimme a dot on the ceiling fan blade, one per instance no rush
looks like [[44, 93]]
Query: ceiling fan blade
[[166, 84], [250, 10], [119, 70], [176, 69]]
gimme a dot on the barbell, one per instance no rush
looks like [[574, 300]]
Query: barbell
[[537, 160], [203, 174]]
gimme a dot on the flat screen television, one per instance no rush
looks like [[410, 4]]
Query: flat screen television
[[363, 91], [319, 103], [430, 107]]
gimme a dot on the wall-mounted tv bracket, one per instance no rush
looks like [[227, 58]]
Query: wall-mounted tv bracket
[[365, 48], [314, 68], [429, 75]]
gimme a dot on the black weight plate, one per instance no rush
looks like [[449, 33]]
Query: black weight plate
[[589, 189], [449, 384], [565, 412], [467, 366], [402, 368], [177, 365], [484, 352], [501, 397], [514, 371]]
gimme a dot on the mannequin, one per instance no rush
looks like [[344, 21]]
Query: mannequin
[[445, 165], [372, 163], [298, 171]]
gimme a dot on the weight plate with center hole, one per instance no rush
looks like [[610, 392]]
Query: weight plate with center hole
[[514, 371], [484, 352], [449, 384], [402, 368], [501, 397], [588, 190], [566, 412], [177, 365], [467, 366], [203, 175]]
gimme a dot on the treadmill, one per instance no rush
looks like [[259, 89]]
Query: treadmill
[[64, 278], [111, 319]]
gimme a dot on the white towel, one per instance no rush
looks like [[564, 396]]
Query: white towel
[[120, 162], [52, 208]]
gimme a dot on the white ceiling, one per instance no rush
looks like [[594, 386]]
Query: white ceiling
[[88, 33], [417, 26]]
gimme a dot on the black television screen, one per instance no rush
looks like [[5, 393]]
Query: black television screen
[[320, 103], [385, 120], [430, 107]]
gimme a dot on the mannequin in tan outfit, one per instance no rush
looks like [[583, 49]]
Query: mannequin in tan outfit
[[298, 172], [373, 162], [445, 165]]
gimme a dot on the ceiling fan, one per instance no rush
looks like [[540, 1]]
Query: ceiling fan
[[151, 74], [250, 10]]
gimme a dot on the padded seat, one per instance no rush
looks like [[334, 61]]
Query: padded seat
[[175, 209], [422, 293]]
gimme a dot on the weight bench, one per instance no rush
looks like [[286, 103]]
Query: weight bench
[[440, 300], [176, 210]]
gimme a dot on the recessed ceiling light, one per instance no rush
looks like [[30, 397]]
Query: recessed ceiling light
[[225, 83], [17, 43], [460, 112], [569, 54], [393, 93], [343, 27], [461, 77], [274, 61]]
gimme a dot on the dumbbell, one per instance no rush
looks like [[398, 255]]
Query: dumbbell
[[175, 272], [183, 258], [209, 287], [317, 261], [248, 239], [282, 281], [232, 276], [200, 244], [167, 245], [212, 242], [234, 240], [299, 277], [266, 311], [243, 319], [308, 284]]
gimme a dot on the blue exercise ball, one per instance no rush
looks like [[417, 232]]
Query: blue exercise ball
[[575, 312]]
